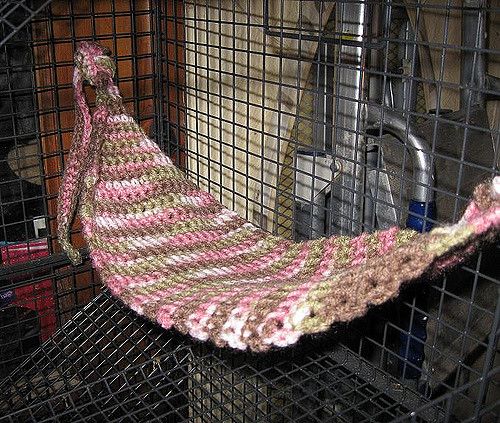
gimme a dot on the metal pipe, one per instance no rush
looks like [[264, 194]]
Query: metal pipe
[[492, 83], [473, 69], [389, 94], [409, 63], [394, 123], [379, 200], [352, 18], [421, 212]]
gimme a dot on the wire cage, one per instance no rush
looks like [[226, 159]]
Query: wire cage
[[309, 118]]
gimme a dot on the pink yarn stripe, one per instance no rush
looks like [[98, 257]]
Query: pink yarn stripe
[[126, 135], [124, 190], [387, 240], [118, 282], [483, 223], [104, 258], [166, 216], [139, 301], [304, 288], [287, 334], [187, 239], [232, 329], [75, 169], [253, 295], [199, 316], [100, 114], [358, 249], [453, 259]]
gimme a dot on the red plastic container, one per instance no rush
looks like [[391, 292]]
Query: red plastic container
[[38, 296]]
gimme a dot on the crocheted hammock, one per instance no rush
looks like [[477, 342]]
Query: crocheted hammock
[[177, 256]]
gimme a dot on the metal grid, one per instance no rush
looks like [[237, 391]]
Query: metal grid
[[82, 373], [310, 119]]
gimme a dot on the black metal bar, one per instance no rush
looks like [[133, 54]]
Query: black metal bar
[[15, 28], [38, 265]]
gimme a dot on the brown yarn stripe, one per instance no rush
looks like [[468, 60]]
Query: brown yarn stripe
[[190, 223], [137, 251], [155, 260], [219, 284]]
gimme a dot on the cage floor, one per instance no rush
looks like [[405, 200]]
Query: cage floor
[[108, 364]]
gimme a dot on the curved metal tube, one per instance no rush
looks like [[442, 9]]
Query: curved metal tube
[[393, 123]]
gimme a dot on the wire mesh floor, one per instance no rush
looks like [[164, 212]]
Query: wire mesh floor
[[107, 364]]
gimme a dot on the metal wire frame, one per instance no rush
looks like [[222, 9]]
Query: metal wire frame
[[14, 16], [165, 376], [105, 363], [477, 273], [35, 67]]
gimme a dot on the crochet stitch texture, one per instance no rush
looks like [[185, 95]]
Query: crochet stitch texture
[[177, 256]]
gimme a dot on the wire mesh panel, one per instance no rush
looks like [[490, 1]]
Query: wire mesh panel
[[38, 292], [309, 118]]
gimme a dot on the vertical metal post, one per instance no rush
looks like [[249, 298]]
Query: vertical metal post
[[347, 195], [405, 96], [156, 42], [473, 70], [314, 166]]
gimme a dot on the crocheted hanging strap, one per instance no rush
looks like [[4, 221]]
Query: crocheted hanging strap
[[93, 65]]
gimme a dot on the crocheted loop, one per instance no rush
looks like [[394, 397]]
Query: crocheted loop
[[93, 62], [95, 66]]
